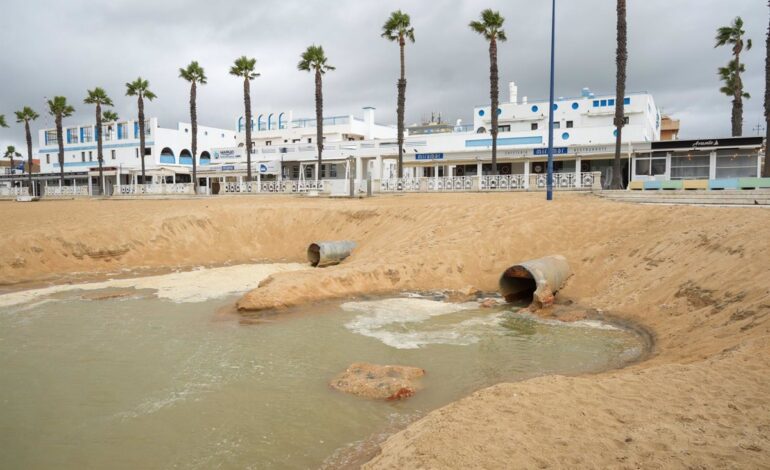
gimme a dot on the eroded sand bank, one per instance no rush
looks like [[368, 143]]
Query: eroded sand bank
[[699, 278]]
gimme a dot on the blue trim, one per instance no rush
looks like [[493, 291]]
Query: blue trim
[[481, 112], [205, 161], [93, 147], [652, 185], [82, 134], [555, 106], [565, 136], [136, 130], [575, 105], [506, 141], [167, 159], [626, 100], [723, 183], [183, 160], [499, 111], [611, 102], [70, 164], [596, 103], [535, 108]]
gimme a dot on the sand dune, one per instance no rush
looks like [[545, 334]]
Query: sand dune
[[698, 278]]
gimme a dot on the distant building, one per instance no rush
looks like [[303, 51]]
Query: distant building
[[669, 128]]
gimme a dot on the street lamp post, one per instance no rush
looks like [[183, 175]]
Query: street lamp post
[[549, 177]]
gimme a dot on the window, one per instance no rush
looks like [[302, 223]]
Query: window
[[136, 152], [51, 137], [90, 156], [626, 100], [87, 133], [505, 128], [309, 140], [72, 136], [625, 120], [82, 156], [533, 126], [148, 152], [48, 158], [295, 172], [309, 171], [603, 102], [294, 141], [569, 124], [268, 142], [556, 124], [610, 102], [596, 103], [333, 171], [112, 153], [651, 165], [690, 165], [736, 163]]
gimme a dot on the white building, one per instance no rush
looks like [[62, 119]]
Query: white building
[[167, 151]]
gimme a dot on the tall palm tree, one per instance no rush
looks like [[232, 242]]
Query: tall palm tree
[[621, 57], [314, 60], [766, 168], [491, 27], [99, 97], [194, 74], [733, 35], [59, 109], [398, 28], [244, 67], [2, 121], [141, 89], [11, 153], [26, 115]]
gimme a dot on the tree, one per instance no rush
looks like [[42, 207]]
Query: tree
[[398, 28], [314, 60], [141, 89], [733, 35], [621, 57], [2, 121], [11, 153], [766, 168], [59, 109], [194, 74], [491, 27], [99, 97], [244, 67], [26, 115]]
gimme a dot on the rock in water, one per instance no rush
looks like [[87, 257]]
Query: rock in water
[[377, 381]]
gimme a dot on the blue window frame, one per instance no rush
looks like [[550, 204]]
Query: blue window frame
[[596, 103], [499, 111], [604, 102], [610, 102], [565, 136], [626, 100]]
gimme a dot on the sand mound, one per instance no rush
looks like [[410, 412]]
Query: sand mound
[[376, 381]]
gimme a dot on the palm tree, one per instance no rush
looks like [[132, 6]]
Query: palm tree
[[398, 28], [314, 59], [11, 152], [766, 168], [621, 57], [491, 27], [99, 97], [733, 35], [194, 74], [59, 109], [141, 89], [26, 115], [244, 67], [2, 121]]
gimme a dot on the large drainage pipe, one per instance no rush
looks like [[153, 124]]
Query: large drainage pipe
[[330, 252], [536, 280]]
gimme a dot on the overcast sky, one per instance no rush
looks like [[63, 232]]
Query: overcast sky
[[57, 47]]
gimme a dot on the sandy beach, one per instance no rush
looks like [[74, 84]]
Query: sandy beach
[[697, 278]]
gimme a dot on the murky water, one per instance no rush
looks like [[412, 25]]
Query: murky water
[[151, 379]]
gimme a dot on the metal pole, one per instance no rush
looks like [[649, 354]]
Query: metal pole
[[549, 177]]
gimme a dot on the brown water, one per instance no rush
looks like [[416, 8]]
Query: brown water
[[147, 382]]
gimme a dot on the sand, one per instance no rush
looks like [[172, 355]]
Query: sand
[[698, 278]]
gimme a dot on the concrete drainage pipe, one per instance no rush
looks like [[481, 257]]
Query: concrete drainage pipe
[[328, 253], [536, 280]]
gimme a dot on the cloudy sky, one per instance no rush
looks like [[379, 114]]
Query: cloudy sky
[[56, 47]]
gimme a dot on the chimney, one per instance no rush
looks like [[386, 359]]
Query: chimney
[[513, 90], [524, 100], [369, 122]]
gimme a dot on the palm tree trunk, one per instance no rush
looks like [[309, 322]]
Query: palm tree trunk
[[99, 151], [61, 148], [247, 105], [140, 104], [319, 125], [766, 169], [620, 92], [29, 154], [400, 108], [194, 125], [494, 95]]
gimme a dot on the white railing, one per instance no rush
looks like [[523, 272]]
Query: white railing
[[154, 189], [400, 185], [450, 183], [491, 183], [65, 191], [306, 186], [284, 186], [13, 191], [502, 182]]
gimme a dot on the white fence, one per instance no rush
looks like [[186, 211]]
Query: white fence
[[13, 191], [154, 189], [65, 191], [562, 181], [285, 186]]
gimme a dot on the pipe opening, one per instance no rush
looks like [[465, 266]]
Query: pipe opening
[[517, 283], [314, 254]]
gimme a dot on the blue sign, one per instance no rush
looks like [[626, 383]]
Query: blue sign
[[556, 151], [429, 156], [228, 167]]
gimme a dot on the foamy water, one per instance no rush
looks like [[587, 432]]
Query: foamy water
[[197, 285]]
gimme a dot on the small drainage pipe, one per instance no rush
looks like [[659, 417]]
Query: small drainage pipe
[[536, 280], [327, 253]]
